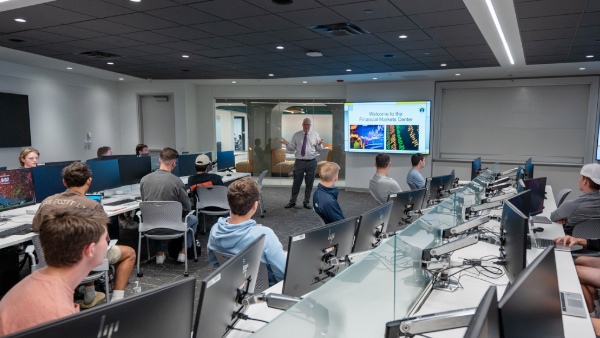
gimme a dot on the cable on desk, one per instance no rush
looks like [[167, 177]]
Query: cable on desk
[[246, 317], [238, 329]]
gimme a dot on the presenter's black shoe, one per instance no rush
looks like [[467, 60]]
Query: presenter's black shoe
[[307, 206], [290, 205]]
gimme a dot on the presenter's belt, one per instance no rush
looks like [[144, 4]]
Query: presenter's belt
[[305, 160]]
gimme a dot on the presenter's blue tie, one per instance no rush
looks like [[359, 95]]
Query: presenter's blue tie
[[303, 151]]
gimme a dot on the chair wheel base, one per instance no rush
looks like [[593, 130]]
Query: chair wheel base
[[196, 260], [262, 216], [185, 274], [140, 274], [202, 232]]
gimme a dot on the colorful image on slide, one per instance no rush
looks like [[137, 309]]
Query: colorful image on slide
[[402, 137], [366, 137]]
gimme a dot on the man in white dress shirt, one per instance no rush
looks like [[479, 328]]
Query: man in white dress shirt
[[306, 145]]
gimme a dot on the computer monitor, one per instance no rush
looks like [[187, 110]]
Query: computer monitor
[[225, 160], [522, 201], [528, 168], [165, 311], [16, 189], [538, 194], [514, 228], [187, 164], [209, 154], [105, 175], [520, 173], [132, 168], [486, 321], [2, 168], [438, 185], [48, 180], [307, 265], [531, 306], [222, 292], [113, 157], [61, 163], [475, 168], [371, 225], [403, 203]]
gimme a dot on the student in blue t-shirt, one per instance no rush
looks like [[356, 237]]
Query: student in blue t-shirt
[[414, 179]]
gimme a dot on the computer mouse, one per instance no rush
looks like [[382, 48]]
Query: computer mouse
[[538, 229], [228, 174]]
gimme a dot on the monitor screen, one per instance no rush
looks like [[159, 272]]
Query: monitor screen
[[439, 185], [105, 175], [514, 228], [393, 127], [225, 160], [165, 311], [15, 128], [16, 189], [538, 194], [403, 203], [132, 168], [222, 292], [475, 168], [187, 164], [48, 180], [522, 201], [486, 321], [371, 225], [531, 306], [308, 265], [528, 169]]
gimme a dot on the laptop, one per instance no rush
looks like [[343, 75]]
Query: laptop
[[542, 243], [541, 219]]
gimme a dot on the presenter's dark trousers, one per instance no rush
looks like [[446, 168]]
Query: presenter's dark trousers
[[303, 169]]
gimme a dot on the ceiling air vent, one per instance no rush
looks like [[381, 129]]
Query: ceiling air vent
[[340, 29], [100, 55]]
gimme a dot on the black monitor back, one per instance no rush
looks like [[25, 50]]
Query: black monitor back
[[403, 201], [528, 169], [165, 311], [475, 167], [439, 184], [514, 226], [522, 201], [2, 168], [531, 306], [48, 180], [187, 164], [305, 270], [218, 305], [61, 163], [105, 175], [132, 168], [538, 194], [371, 225], [486, 321]]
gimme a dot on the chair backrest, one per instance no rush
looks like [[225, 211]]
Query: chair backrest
[[215, 196], [323, 155], [562, 195], [587, 229], [412, 186], [262, 281], [161, 214], [261, 178], [41, 259]]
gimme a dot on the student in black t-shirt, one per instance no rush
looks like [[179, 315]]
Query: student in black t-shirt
[[204, 178]]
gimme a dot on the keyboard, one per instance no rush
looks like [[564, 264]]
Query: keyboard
[[119, 202], [22, 229], [543, 242]]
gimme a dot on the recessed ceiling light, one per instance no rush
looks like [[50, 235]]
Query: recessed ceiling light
[[271, 74], [348, 70], [280, 47], [69, 68], [374, 78], [499, 29], [233, 82], [121, 79], [457, 74], [136, 0], [403, 36], [314, 53], [581, 68], [304, 82], [443, 65], [20, 20], [368, 11], [426, 53], [589, 56], [185, 56], [110, 63]]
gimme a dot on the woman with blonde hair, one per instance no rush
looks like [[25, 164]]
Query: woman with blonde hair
[[29, 157]]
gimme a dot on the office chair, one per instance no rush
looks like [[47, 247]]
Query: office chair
[[162, 221], [587, 229], [211, 201], [262, 280], [562, 195], [260, 199]]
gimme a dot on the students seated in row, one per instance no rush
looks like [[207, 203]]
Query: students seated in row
[[381, 186], [141, 150], [161, 185], [325, 197], [204, 178], [104, 151], [414, 179], [586, 206], [74, 241], [28, 158], [77, 177], [232, 234]]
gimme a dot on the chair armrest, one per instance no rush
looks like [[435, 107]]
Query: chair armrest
[[112, 243], [29, 250]]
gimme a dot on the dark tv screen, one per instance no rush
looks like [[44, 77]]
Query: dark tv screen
[[15, 129]]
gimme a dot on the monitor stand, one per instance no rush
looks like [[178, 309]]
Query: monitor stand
[[445, 283]]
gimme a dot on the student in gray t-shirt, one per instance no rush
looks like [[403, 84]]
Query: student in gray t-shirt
[[584, 207], [381, 186]]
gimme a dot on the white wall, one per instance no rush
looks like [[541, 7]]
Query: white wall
[[62, 108]]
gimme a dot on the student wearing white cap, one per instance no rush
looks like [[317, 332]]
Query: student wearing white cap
[[204, 178], [584, 207]]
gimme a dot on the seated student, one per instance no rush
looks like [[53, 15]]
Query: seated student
[[141, 150], [77, 177], [28, 158], [325, 197], [414, 179], [232, 234], [381, 186], [104, 151], [75, 241], [585, 206], [204, 178]]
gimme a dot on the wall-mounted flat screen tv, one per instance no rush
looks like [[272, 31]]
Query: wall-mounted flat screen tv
[[15, 130], [393, 127]]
